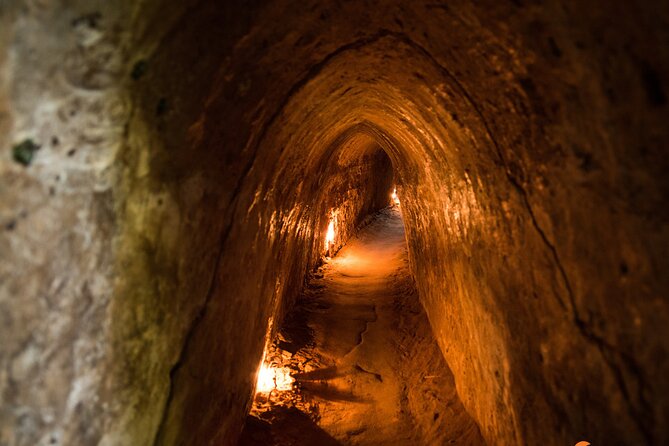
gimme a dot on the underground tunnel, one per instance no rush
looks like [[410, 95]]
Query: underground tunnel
[[367, 222]]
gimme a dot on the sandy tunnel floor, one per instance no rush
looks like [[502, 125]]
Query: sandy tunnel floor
[[367, 369]]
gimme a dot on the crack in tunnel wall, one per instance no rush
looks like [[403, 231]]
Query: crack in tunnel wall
[[184, 147]]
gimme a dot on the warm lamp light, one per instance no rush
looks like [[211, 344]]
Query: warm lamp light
[[329, 235], [394, 197], [273, 378]]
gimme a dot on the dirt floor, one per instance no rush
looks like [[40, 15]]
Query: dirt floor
[[367, 369]]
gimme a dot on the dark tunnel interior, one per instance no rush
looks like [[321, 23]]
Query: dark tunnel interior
[[440, 221]]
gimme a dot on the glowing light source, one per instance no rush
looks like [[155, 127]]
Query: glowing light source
[[273, 378], [394, 197], [329, 235]]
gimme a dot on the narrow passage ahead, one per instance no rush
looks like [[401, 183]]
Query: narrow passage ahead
[[367, 369]]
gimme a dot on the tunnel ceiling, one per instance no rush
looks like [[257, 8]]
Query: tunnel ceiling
[[194, 153]]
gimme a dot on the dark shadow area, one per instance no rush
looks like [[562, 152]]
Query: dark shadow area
[[319, 374], [326, 392], [295, 332], [284, 427]]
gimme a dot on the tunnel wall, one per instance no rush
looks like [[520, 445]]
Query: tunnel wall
[[132, 327], [181, 148], [277, 237], [60, 101]]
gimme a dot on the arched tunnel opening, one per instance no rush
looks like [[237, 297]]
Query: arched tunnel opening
[[195, 195], [354, 359]]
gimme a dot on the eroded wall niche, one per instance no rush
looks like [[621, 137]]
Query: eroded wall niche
[[190, 157]]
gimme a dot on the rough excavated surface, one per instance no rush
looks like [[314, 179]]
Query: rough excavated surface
[[367, 368], [183, 184]]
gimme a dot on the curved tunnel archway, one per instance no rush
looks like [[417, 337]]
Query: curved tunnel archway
[[448, 163], [213, 141]]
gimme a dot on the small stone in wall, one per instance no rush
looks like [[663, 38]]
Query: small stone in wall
[[139, 69], [24, 152], [161, 106]]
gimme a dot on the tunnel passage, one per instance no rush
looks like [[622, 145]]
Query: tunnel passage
[[169, 175], [354, 361], [348, 179]]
